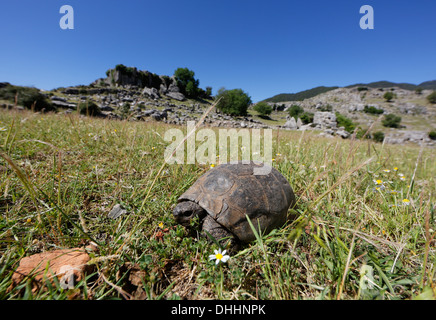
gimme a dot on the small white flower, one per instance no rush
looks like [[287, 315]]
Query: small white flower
[[406, 202], [219, 256], [3, 129]]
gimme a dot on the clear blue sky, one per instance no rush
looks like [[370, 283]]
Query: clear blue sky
[[263, 47]]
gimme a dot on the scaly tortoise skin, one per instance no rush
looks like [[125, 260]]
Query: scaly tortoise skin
[[225, 195]]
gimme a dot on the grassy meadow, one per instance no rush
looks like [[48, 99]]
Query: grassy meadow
[[365, 226]]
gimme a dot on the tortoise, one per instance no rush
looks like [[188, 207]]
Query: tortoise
[[223, 197]]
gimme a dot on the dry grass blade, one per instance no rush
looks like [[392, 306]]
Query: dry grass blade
[[342, 180], [23, 179], [199, 123]]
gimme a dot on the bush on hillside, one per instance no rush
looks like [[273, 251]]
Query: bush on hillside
[[233, 102], [307, 117], [378, 136], [372, 110], [295, 111], [263, 108], [388, 96], [89, 108], [432, 97], [345, 122], [186, 82], [391, 121], [26, 97]]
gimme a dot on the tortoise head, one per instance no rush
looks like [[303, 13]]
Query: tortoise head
[[185, 211]]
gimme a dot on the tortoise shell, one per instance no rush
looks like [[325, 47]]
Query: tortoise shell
[[232, 191]]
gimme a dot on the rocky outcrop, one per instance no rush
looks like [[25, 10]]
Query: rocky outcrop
[[151, 84], [324, 120], [402, 137], [60, 102]]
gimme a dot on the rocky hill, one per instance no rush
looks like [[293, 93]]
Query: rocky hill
[[417, 113], [136, 95], [306, 94]]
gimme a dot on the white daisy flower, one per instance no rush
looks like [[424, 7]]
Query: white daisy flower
[[219, 256]]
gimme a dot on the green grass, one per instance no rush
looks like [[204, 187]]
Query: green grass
[[61, 175]]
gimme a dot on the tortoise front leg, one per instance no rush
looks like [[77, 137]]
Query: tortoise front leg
[[219, 232]]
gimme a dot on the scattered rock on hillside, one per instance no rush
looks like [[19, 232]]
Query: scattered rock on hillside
[[176, 96]]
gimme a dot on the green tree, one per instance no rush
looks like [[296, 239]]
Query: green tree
[[391, 121], [432, 135], [295, 111], [388, 96], [378, 136], [345, 122], [372, 110], [27, 97], [89, 108], [233, 102], [208, 91], [432, 97], [263, 108], [186, 82], [307, 117], [190, 90]]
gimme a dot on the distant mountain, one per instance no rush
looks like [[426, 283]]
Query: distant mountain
[[306, 94], [428, 85], [299, 96], [385, 84]]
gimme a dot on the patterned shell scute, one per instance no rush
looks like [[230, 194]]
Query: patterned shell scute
[[230, 192]]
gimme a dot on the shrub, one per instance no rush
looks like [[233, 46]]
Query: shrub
[[26, 97], [345, 122], [307, 117], [362, 89], [360, 132], [388, 96], [327, 108], [432, 97], [233, 102], [372, 110], [391, 121], [295, 111], [378, 136], [89, 108], [186, 82], [263, 108], [432, 135], [208, 91], [124, 70]]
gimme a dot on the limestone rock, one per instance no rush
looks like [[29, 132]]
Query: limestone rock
[[324, 120], [291, 124], [151, 92], [176, 96]]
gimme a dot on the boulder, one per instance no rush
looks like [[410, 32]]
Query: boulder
[[151, 92], [61, 104], [176, 96], [173, 87], [299, 123], [291, 124], [324, 120], [342, 133], [71, 91]]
